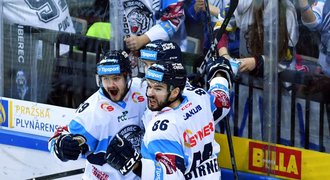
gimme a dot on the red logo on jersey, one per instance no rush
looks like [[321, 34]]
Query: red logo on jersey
[[221, 99], [137, 97], [186, 106], [107, 107], [191, 139], [99, 174]]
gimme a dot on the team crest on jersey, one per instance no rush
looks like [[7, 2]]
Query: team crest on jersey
[[107, 107], [138, 18], [221, 100], [137, 97], [133, 134]]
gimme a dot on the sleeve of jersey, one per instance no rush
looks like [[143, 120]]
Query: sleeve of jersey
[[95, 145], [163, 156], [317, 10], [75, 127], [220, 101], [155, 170], [173, 16]]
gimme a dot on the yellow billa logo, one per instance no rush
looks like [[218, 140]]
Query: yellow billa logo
[[2, 114]]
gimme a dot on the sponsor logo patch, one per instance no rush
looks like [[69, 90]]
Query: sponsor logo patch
[[107, 107]]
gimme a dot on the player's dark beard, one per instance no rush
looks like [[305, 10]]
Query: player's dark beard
[[161, 105]]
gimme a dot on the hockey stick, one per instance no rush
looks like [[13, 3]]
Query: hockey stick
[[210, 28], [212, 52], [60, 175], [231, 148]]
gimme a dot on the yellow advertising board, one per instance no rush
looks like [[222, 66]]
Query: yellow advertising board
[[285, 162]]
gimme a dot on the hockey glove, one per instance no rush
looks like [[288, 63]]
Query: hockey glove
[[220, 65], [121, 155], [69, 147], [196, 80]]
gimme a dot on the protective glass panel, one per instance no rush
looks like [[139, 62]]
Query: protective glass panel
[[280, 103]]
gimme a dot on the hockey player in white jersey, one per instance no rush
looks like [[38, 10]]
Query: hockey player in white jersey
[[160, 50], [179, 140], [116, 108]]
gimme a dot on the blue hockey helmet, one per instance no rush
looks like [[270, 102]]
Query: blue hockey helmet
[[114, 62], [160, 50], [168, 72]]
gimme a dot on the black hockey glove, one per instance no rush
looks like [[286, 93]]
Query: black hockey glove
[[69, 147], [220, 65], [196, 80], [121, 154]]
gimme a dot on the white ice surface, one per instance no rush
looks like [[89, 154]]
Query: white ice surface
[[22, 163]]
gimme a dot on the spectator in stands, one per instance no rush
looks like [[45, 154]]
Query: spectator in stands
[[218, 9], [145, 21], [141, 28], [43, 14], [317, 18], [254, 18], [53, 15]]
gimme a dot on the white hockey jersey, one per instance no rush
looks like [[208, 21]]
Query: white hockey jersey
[[179, 143], [98, 119], [48, 14], [158, 19]]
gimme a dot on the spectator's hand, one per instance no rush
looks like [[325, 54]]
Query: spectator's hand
[[247, 64], [134, 42], [199, 6]]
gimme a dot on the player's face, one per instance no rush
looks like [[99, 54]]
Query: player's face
[[147, 64], [115, 86], [157, 95]]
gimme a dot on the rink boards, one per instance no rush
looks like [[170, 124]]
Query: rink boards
[[284, 162], [28, 124]]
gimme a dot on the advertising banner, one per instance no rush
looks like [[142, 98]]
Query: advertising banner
[[283, 162], [32, 118]]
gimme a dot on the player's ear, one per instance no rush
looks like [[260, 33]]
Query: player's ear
[[174, 93]]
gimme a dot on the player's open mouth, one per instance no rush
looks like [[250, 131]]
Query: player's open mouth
[[113, 92], [152, 102]]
